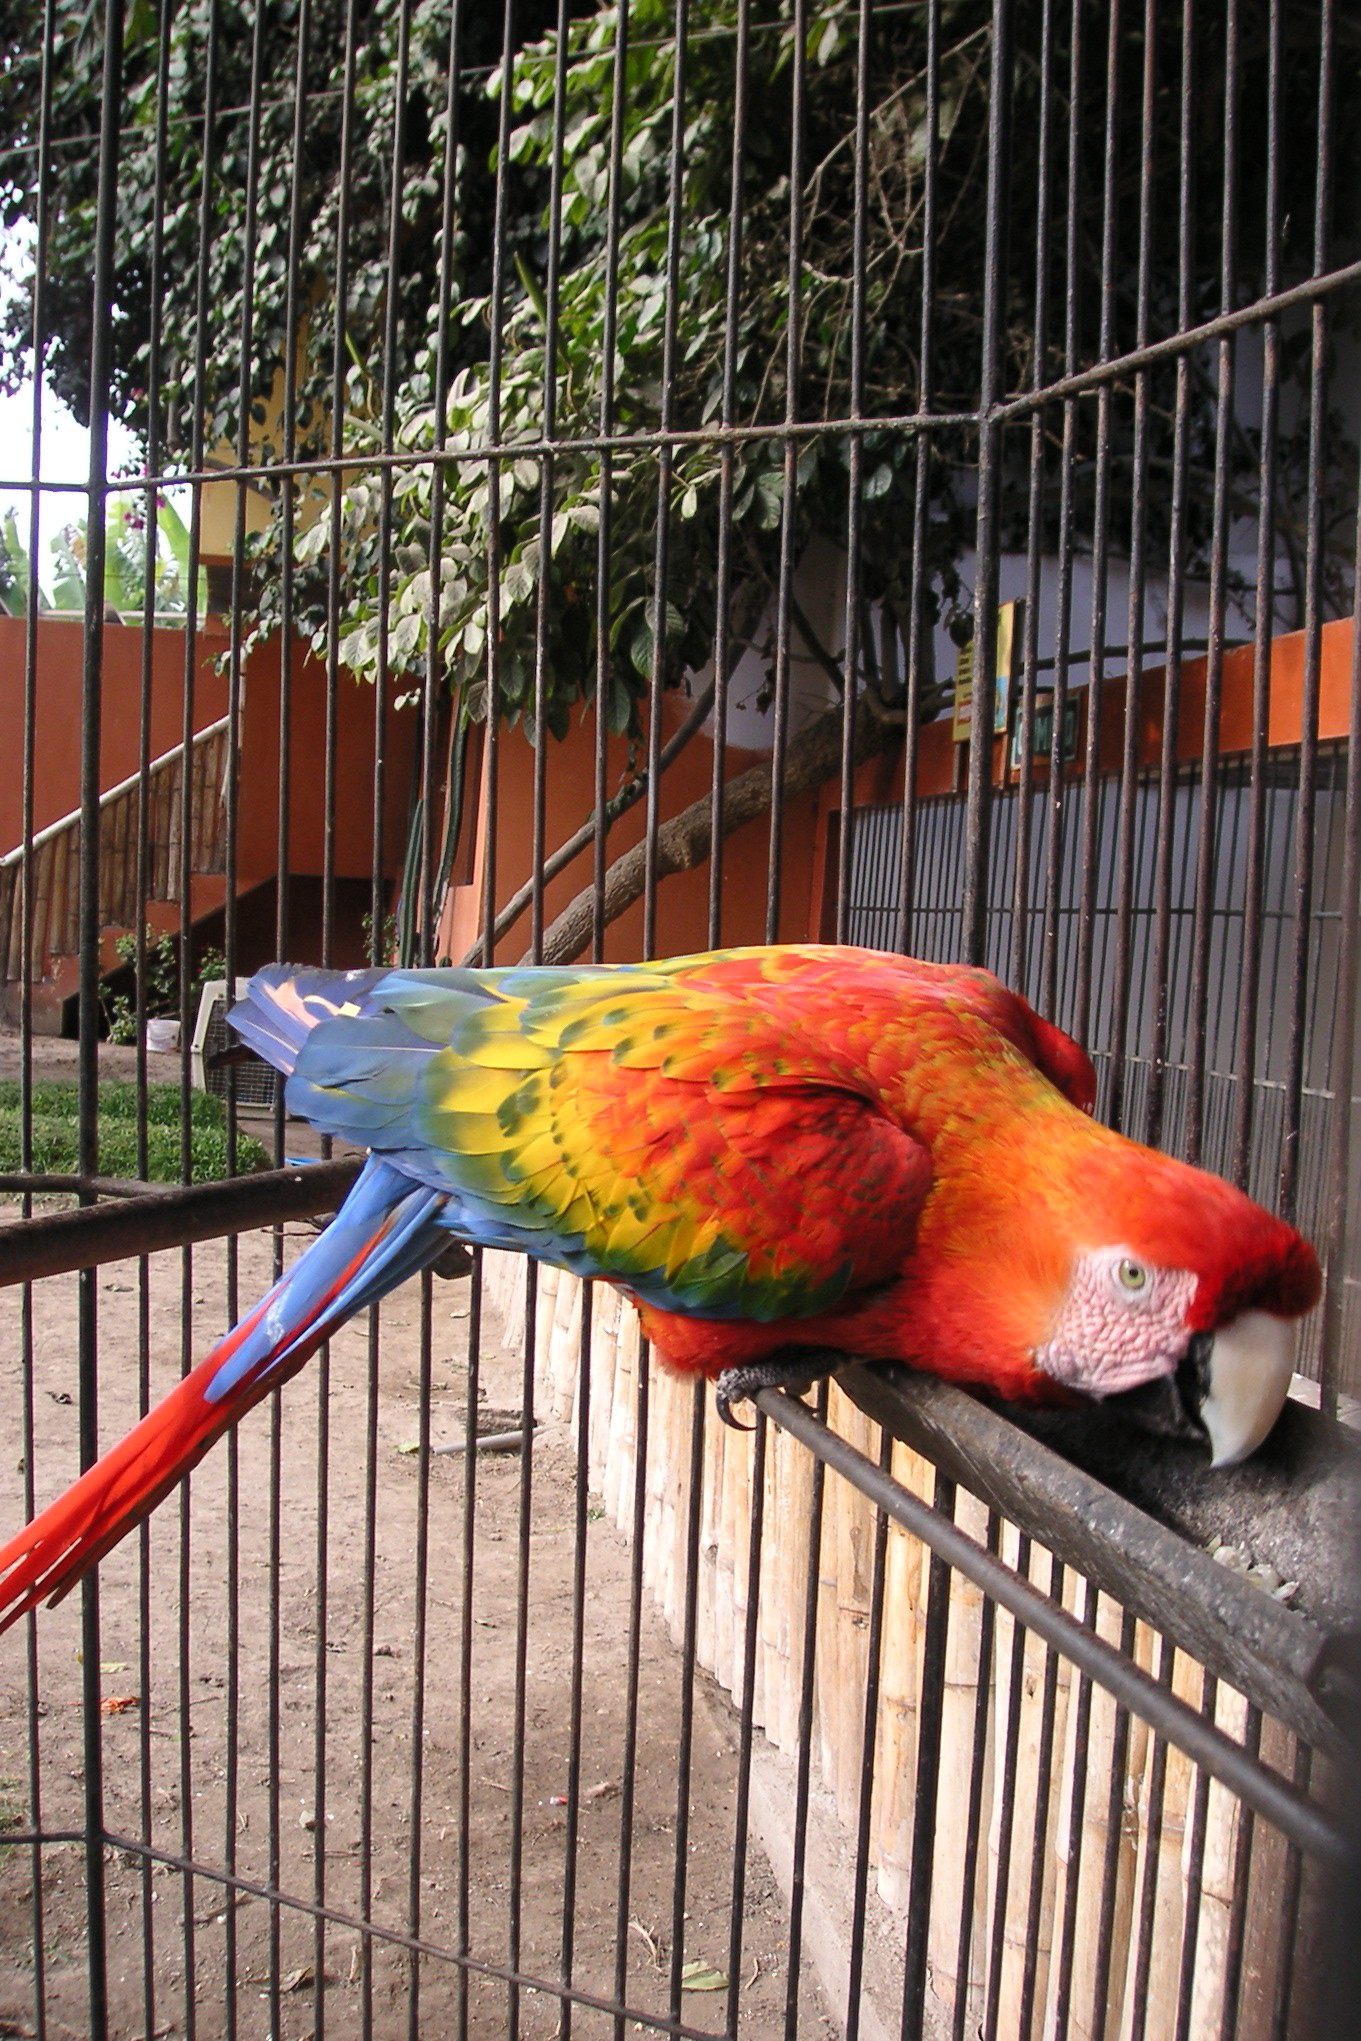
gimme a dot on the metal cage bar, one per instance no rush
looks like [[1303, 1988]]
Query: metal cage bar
[[611, 330]]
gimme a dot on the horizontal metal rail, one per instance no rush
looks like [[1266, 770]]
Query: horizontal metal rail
[[1258, 1787], [1082, 383], [1137, 1515], [341, 1917], [61, 1241], [39, 1183]]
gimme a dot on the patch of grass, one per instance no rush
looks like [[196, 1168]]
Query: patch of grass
[[55, 1145], [13, 1813]]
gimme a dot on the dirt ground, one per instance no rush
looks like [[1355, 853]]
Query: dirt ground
[[173, 1766]]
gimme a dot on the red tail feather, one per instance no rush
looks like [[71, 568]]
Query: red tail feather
[[49, 1555]]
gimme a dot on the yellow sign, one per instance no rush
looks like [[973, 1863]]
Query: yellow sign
[[1005, 678]]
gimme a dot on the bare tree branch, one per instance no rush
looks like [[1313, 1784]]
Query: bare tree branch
[[625, 799], [687, 839]]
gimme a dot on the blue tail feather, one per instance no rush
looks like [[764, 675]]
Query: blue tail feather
[[388, 1227]]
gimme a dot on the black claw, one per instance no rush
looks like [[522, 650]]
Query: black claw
[[723, 1403], [797, 1374]]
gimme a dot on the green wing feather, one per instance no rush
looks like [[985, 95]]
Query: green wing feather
[[636, 1123]]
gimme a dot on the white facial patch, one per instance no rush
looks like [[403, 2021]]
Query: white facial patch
[[1122, 1323]]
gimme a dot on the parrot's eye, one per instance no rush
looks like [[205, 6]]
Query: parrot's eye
[[1131, 1276]]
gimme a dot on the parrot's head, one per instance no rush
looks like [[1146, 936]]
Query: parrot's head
[[1177, 1295], [1085, 1265]]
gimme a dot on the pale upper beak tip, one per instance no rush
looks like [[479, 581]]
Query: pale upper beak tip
[[1251, 1363]]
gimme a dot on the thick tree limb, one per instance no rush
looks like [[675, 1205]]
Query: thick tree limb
[[687, 839], [625, 799]]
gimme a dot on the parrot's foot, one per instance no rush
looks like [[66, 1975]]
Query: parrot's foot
[[454, 1262], [796, 1370]]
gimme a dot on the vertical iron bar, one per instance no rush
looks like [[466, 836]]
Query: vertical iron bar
[[1025, 2011], [988, 540], [580, 1508], [1195, 1866], [1063, 599], [101, 365], [336, 549], [1082, 1706], [973, 1818], [420, 1585], [32, 1682], [1242, 1873], [686, 1725], [784, 597], [1291, 1885], [292, 317], [1024, 832], [1148, 1892], [546, 476], [1105, 1931], [184, 887], [1165, 844], [1245, 1050], [803, 1769], [520, 1702], [232, 795], [850, 662], [1214, 657], [727, 415], [746, 1707], [142, 884], [1134, 634], [633, 1657], [468, 1552], [665, 460], [605, 535], [930, 1715], [919, 629], [1337, 1169], [1007, 1817], [368, 1576], [874, 1640], [1313, 637], [495, 361], [1096, 671]]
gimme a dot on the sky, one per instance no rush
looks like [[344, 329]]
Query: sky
[[65, 458], [65, 445]]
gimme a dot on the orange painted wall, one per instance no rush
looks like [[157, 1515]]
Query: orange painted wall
[[57, 739], [941, 763], [56, 770], [683, 899], [258, 857]]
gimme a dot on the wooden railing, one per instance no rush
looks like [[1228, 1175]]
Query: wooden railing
[[51, 865]]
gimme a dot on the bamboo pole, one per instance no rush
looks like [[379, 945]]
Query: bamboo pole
[[896, 1762], [963, 1671], [1016, 1927], [1223, 1816]]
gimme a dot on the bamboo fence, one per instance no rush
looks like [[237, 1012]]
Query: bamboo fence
[[1038, 1950], [52, 866]]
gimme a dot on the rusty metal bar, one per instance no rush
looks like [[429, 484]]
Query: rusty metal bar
[[1300, 1820], [1292, 1663], [172, 1217]]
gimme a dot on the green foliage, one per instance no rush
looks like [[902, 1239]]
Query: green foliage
[[55, 1132], [128, 556], [386, 337], [162, 983], [14, 570]]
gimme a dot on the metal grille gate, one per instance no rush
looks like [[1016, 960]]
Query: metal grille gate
[[364, 1739]]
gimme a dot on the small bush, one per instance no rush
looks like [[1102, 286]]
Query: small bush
[[55, 1129]]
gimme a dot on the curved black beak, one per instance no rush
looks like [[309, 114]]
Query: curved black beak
[[1171, 1406], [1227, 1392]]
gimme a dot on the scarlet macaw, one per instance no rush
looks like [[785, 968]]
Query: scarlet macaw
[[784, 1155]]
